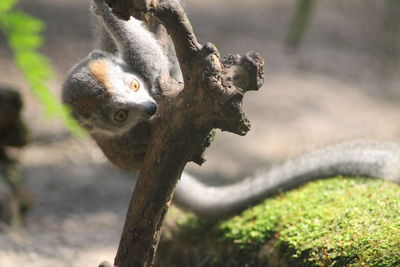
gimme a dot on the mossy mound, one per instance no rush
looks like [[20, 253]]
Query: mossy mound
[[333, 222]]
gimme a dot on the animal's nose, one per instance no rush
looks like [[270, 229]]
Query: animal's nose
[[151, 108]]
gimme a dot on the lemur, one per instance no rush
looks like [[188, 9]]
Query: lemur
[[111, 95]]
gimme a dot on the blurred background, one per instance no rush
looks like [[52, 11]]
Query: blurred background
[[332, 74]]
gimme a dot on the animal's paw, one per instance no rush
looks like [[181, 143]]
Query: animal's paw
[[99, 6], [95, 8]]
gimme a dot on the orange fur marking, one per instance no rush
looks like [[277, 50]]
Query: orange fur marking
[[99, 69]]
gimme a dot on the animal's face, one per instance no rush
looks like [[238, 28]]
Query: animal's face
[[115, 101]]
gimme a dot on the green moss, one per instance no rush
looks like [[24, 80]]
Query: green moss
[[334, 222]]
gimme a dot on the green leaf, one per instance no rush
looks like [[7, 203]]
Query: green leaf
[[22, 32], [6, 5], [34, 66], [21, 42], [18, 21]]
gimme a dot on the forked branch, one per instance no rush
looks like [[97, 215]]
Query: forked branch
[[211, 98]]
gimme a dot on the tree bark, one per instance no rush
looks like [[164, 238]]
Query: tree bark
[[210, 98]]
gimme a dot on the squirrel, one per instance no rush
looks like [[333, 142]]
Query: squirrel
[[111, 95]]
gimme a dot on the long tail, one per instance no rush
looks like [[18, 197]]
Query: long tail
[[356, 158]]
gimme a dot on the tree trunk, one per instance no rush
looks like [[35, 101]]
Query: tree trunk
[[211, 98]]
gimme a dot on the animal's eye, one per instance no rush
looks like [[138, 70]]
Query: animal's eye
[[135, 85], [121, 115]]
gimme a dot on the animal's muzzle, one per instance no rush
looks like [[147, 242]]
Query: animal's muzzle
[[151, 108]]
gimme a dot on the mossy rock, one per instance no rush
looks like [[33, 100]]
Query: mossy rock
[[332, 222]]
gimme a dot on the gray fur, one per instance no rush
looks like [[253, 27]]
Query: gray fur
[[103, 39], [136, 45], [132, 52], [95, 107], [356, 158], [106, 43]]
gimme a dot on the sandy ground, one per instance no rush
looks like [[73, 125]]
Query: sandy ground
[[338, 86]]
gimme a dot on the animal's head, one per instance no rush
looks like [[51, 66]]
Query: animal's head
[[106, 97]]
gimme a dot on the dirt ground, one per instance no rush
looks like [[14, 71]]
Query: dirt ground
[[340, 85]]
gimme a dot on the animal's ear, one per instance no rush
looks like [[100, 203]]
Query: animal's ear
[[97, 55]]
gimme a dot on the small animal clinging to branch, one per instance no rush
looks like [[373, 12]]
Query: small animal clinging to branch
[[112, 95]]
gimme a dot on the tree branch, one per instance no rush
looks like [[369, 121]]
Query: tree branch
[[211, 98]]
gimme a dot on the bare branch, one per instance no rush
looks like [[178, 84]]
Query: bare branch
[[211, 98]]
